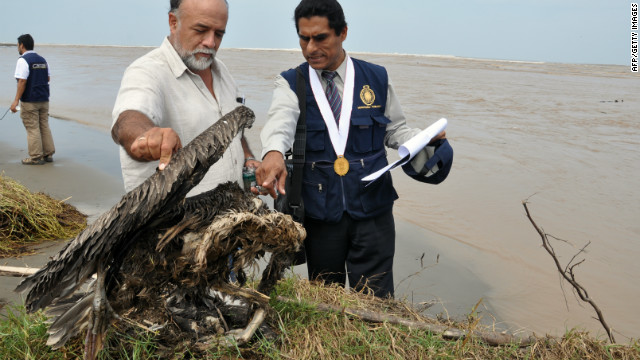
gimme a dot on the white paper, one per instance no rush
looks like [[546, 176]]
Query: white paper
[[410, 148]]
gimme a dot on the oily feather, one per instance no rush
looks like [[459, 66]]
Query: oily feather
[[79, 259]]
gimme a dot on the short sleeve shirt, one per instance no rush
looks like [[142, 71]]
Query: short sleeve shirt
[[160, 86], [22, 68]]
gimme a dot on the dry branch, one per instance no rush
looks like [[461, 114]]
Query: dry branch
[[568, 273], [17, 271], [447, 332]]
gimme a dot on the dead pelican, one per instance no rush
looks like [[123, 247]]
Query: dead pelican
[[163, 257]]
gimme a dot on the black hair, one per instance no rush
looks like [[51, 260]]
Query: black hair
[[26, 40], [330, 9]]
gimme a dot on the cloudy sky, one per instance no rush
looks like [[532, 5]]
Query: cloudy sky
[[568, 31]]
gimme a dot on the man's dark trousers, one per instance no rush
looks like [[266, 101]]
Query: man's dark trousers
[[365, 246]]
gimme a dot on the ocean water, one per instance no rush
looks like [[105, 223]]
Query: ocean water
[[563, 137]]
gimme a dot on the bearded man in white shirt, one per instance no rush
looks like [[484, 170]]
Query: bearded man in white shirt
[[170, 95]]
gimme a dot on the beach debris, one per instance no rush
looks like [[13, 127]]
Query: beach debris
[[567, 272], [162, 261], [447, 331], [29, 218], [16, 271]]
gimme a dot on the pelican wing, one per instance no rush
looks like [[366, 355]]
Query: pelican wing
[[79, 259]]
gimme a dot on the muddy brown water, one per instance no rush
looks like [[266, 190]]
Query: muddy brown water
[[564, 136]]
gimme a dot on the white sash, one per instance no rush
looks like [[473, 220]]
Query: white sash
[[338, 136]]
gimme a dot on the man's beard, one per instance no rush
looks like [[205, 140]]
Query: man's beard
[[193, 63]]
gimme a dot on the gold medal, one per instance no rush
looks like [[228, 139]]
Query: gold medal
[[341, 166]]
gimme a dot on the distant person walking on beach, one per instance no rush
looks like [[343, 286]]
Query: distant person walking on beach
[[32, 74], [170, 95], [348, 225]]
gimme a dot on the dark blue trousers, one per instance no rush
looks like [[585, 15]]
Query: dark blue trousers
[[361, 249]]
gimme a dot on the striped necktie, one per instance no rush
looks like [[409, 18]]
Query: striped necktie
[[332, 94]]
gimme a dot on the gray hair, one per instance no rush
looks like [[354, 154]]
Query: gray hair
[[175, 4]]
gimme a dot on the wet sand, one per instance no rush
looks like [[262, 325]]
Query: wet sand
[[85, 173]]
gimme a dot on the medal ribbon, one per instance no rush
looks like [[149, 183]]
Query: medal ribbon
[[337, 135]]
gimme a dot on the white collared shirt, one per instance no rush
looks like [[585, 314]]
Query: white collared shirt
[[160, 86]]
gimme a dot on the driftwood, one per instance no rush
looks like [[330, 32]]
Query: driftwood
[[16, 271], [568, 273], [447, 332]]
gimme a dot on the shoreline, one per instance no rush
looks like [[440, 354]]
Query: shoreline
[[86, 174], [434, 56], [86, 167]]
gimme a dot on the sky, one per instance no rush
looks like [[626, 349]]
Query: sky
[[565, 31]]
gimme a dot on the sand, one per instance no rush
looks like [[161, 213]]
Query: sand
[[83, 178]]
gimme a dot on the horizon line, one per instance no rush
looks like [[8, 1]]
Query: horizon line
[[442, 56]]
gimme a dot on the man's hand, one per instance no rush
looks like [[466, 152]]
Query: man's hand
[[143, 140], [156, 144], [252, 163], [272, 173], [22, 85], [441, 135], [14, 106]]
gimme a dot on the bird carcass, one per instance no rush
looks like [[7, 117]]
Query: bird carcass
[[164, 262]]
